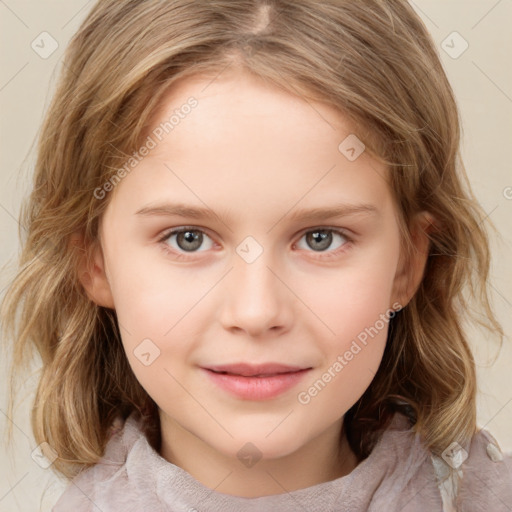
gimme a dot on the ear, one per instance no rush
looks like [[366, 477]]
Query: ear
[[91, 271], [411, 267]]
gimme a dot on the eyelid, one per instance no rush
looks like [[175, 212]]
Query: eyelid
[[336, 229], [179, 229]]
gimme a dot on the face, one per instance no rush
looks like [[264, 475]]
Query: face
[[248, 241]]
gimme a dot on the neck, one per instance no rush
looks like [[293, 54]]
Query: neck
[[325, 458]]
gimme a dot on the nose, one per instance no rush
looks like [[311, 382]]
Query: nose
[[256, 301]]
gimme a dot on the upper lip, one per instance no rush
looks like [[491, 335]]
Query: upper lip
[[251, 370]]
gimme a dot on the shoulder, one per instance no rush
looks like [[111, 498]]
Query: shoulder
[[107, 485], [476, 478], [486, 480]]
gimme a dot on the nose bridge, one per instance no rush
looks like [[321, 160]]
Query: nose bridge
[[256, 300]]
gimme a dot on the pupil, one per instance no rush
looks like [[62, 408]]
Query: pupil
[[322, 239], [191, 239]]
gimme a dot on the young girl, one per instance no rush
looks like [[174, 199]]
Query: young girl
[[250, 253]]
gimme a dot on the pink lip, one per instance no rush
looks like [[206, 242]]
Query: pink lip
[[256, 382]]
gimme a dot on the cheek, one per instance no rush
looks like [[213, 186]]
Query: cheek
[[150, 299], [160, 314], [343, 380], [355, 309], [352, 349], [352, 298], [158, 335]]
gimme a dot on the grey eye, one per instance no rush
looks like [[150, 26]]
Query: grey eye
[[188, 240], [321, 239]]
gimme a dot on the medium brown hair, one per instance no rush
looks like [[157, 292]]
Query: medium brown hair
[[372, 61]]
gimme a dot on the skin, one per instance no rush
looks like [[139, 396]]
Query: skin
[[254, 155]]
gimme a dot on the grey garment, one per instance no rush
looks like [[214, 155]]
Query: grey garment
[[399, 475]]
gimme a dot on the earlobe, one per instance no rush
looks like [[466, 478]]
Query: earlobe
[[91, 272], [411, 267]]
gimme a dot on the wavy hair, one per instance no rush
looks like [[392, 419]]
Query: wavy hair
[[372, 61]]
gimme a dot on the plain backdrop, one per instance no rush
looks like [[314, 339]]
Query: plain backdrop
[[477, 61]]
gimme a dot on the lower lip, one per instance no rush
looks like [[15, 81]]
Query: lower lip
[[257, 388]]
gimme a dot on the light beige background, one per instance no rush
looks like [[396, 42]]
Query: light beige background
[[482, 80]]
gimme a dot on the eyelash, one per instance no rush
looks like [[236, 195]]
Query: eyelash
[[323, 254]]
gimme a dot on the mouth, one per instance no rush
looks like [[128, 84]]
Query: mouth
[[256, 382], [260, 370]]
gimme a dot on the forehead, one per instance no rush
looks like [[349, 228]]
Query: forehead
[[239, 104], [250, 145]]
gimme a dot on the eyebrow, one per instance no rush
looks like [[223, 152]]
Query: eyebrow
[[312, 214]]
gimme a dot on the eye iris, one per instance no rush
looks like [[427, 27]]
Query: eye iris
[[323, 238], [194, 238]]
